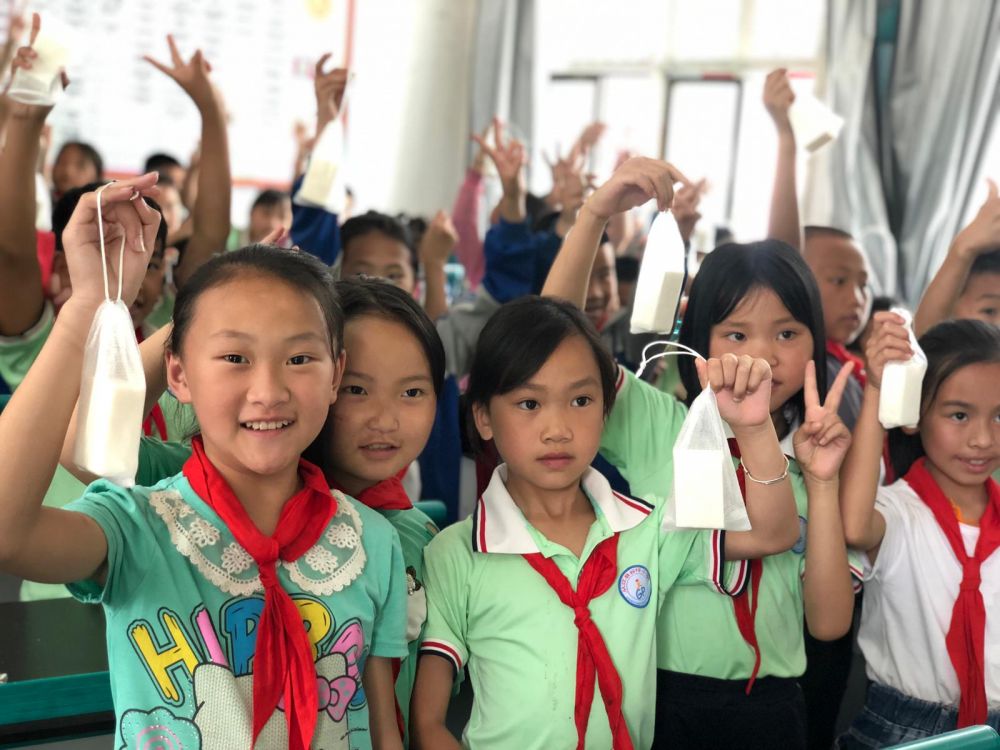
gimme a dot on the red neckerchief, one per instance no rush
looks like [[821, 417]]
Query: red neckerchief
[[839, 352], [283, 661], [592, 657], [967, 631], [385, 495], [156, 414], [745, 611]]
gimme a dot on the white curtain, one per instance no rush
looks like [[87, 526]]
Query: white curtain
[[911, 154], [502, 79]]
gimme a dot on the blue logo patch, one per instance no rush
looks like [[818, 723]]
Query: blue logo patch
[[635, 586], [800, 545]]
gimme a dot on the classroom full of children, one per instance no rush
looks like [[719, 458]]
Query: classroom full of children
[[682, 533]]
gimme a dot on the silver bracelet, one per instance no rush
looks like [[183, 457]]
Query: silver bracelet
[[766, 482]]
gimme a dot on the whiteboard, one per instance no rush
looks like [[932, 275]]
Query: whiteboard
[[262, 54]]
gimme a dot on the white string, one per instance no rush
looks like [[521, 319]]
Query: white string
[[104, 257], [687, 351]]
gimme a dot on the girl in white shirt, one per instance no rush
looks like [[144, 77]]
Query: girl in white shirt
[[930, 627]]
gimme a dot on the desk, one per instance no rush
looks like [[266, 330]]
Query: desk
[[57, 669]]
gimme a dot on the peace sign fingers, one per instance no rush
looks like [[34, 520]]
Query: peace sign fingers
[[836, 392]]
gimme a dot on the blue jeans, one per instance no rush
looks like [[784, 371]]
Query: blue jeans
[[891, 718]]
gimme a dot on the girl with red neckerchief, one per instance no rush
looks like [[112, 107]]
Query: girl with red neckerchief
[[931, 643], [247, 605]]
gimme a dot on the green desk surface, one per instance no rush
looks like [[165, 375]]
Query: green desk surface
[[54, 655]]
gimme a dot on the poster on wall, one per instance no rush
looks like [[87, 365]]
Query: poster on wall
[[262, 54]]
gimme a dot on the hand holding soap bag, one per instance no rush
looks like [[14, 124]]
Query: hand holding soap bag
[[39, 74], [112, 390], [324, 185], [899, 397], [661, 278], [706, 493]]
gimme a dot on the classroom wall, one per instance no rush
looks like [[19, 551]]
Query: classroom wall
[[408, 111]]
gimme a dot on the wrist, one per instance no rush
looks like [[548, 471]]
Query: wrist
[[433, 264], [753, 432], [962, 251], [813, 481], [587, 216]]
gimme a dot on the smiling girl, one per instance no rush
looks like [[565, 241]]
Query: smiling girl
[[246, 604], [928, 626]]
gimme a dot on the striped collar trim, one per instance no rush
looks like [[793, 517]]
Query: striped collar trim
[[499, 526]]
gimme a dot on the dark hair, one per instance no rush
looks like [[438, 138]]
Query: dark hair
[[373, 221], [518, 340], [814, 230], [63, 210], [627, 268], [726, 277], [884, 303], [269, 198], [367, 296], [301, 271], [986, 263], [949, 347], [90, 153], [159, 161]]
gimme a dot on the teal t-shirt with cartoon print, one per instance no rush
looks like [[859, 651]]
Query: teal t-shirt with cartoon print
[[182, 600]]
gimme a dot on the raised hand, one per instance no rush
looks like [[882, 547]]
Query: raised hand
[[821, 442], [889, 341], [983, 232], [587, 140], [685, 207], [192, 76], [438, 242], [125, 215], [479, 160], [509, 158], [742, 388], [330, 88], [23, 59], [778, 97], [636, 181]]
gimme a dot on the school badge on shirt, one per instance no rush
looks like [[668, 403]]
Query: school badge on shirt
[[635, 586]]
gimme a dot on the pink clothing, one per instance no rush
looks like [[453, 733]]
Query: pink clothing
[[465, 217]]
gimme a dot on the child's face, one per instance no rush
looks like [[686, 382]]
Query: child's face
[[375, 254], [960, 431], [265, 219], [549, 429], [980, 299], [842, 276], [151, 289], [256, 364], [386, 406], [761, 326], [72, 170], [171, 207], [602, 290]]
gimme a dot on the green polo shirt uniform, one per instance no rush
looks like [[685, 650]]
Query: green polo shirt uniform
[[697, 629], [488, 608]]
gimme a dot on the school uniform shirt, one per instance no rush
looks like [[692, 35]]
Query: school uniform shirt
[[697, 627], [910, 592], [182, 600], [488, 608]]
